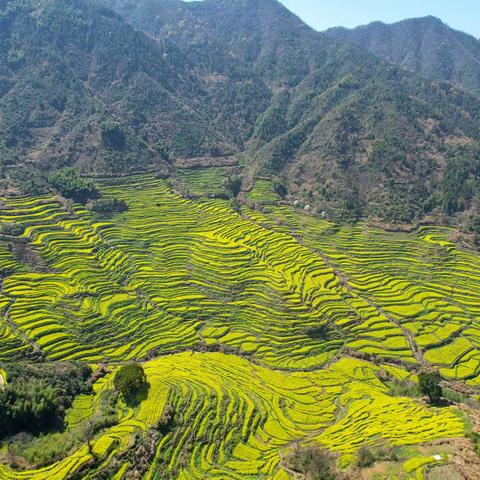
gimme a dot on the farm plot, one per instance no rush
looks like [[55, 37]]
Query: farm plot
[[202, 182], [422, 283], [286, 294], [288, 289], [234, 418], [163, 275]]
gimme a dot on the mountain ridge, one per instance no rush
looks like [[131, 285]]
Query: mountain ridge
[[425, 45]]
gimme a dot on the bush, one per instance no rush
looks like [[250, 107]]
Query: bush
[[71, 185], [235, 205], [107, 205], [129, 380], [12, 228], [233, 185], [312, 462], [403, 388], [429, 383], [280, 189], [475, 438], [367, 456]]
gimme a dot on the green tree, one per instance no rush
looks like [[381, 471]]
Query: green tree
[[429, 383], [12, 228], [314, 463], [280, 189], [233, 185], [365, 457], [129, 380], [113, 136]]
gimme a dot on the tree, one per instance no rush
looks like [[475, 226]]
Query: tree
[[233, 185], [12, 228], [280, 189], [312, 462], [107, 205], [129, 380], [113, 136], [429, 383], [365, 457]]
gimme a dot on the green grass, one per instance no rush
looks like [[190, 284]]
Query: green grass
[[202, 182]]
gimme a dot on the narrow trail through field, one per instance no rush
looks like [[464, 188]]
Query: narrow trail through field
[[417, 353], [22, 335], [344, 280], [14, 327]]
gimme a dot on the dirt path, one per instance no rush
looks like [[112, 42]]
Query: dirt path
[[416, 351]]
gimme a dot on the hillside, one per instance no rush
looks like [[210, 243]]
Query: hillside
[[351, 135], [425, 46], [80, 87], [260, 332]]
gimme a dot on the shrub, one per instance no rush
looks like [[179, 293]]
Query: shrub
[[475, 438], [312, 462], [129, 380], [12, 228], [235, 205], [280, 189], [367, 456], [403, 388], [233, 185]]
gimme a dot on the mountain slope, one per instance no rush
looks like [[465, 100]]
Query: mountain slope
[[158, 79], [351, 134], [425, 46], [79, 85]]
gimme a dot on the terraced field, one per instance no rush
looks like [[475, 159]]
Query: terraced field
[[293, 299], [235, 417]]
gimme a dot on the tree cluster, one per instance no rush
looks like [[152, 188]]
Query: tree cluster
[[70, 184], [130, 380], [312, 462], [429, 383], [37, 396], [107, 205]]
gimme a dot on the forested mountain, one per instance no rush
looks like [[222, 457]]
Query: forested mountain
[[158, 79], [350, 133], [80, 86], [426, 46]]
